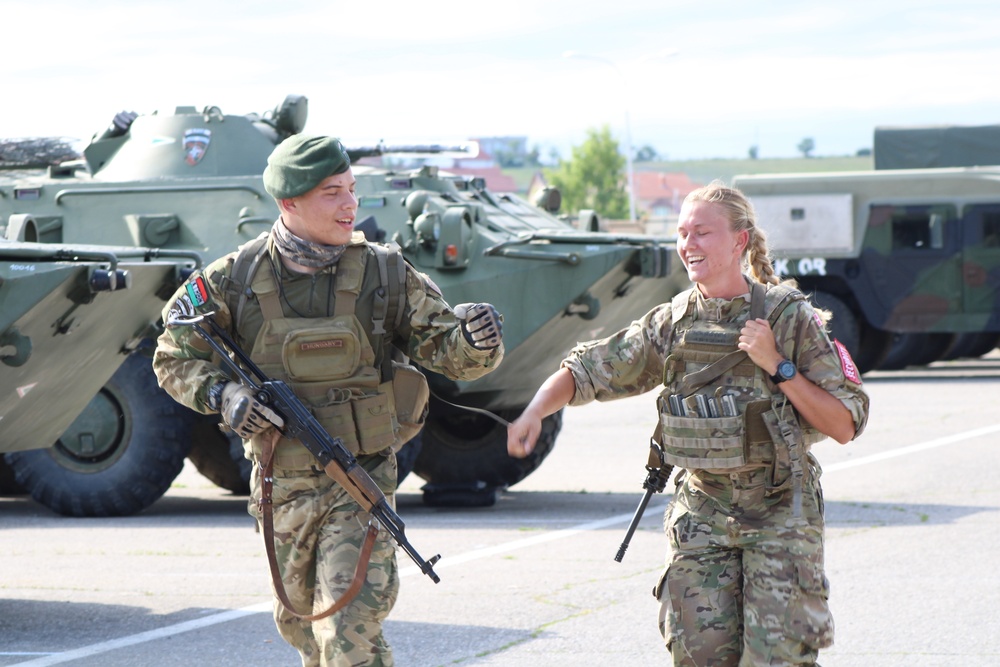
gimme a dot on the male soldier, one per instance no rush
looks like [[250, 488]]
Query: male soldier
[[313, 311]]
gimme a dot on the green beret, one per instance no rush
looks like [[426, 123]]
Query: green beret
[[301, 162]]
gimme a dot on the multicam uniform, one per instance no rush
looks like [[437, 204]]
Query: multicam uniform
[[332, 362], [744, 583]]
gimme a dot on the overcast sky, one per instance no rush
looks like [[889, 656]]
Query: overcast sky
[[743, 73]]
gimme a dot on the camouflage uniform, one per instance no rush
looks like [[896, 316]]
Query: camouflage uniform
[[318, 527], [744, 583]]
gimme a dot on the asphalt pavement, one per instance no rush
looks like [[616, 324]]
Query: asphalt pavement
[[913, 529]]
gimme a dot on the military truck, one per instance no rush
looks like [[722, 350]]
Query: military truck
[[70, 316], [906, 260], [191, 180]]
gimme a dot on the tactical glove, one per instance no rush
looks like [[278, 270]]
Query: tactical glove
[[243, 413], [482, 325]]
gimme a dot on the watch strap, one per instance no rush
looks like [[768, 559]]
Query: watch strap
[[214, 397]]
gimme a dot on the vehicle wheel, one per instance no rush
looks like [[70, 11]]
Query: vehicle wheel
[[118, 457], [915, 349], [8, 485], [406, 457], [875, 347], [843, 324], [219, 456], [461, 448], [971, 345]]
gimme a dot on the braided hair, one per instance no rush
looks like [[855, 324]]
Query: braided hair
[[742, 217]]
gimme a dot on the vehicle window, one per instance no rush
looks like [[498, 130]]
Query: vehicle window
[[991, 229], [919, 227]]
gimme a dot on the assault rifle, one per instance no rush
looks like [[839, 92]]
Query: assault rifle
[[657, 474], [336, 460]]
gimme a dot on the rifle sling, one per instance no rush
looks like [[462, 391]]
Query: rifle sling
[[267, 512]]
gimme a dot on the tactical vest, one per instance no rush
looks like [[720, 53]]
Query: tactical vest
[[371, 401], [726, 415]]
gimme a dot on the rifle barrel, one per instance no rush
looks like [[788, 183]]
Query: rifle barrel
[[635, 524]]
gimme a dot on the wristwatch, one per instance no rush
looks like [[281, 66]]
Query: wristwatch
[[215, 395], [786, 371]]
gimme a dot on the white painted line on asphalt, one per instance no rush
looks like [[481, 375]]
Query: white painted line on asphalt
[[913, 449], [160, 633], [265, 607], [476, 554]]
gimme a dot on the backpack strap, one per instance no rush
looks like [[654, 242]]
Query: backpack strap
[[348, 280], [245, 266], [396, 285], [390, 299]]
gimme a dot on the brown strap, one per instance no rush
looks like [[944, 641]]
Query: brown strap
[[267, 510]]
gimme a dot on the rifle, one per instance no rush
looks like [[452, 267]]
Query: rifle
[[336, 460], [657, 474]]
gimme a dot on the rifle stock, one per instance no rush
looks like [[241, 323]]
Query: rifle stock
[[335, 459]]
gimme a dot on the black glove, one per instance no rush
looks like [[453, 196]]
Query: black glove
[[243, 413], [482, 325]]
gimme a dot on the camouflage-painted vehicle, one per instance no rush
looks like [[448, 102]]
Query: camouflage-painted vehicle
[[70, 316], [192, 180], [907, 260]]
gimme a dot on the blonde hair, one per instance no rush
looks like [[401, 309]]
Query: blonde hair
[[742, 217]]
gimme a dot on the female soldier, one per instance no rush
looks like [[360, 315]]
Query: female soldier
[[751, 380]]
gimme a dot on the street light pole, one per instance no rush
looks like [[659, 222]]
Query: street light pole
[[628, 125]]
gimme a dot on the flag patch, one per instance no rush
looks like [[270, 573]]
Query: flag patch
[[197, 292]]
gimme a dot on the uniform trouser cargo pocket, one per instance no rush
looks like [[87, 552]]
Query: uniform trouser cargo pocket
[[808, 615]]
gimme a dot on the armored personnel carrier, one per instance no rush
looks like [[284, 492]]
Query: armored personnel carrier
[[70, 317], [191, 180], [907, 260]]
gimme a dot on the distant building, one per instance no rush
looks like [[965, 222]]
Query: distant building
[[495, 154], [496, 180], [505, 151], [660, 194], [658, 199]]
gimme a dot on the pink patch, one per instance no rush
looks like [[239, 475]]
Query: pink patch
[[847, 364], [818, 319]]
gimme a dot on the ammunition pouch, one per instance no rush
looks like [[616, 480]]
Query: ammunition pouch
[[411, 400], [695, 442], [328, 363], [718, 443]]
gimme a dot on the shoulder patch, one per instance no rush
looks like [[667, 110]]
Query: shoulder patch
[[847, 363], [197, 292]]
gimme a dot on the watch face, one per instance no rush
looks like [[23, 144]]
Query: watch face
[[786, 370]]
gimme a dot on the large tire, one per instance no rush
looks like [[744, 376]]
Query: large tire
[[971, 345], [135, 439], [875, 347], [466, 448], [219, 456], [406, 457], [8, 485], [843, 324], [916, 349], [868, 346]]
